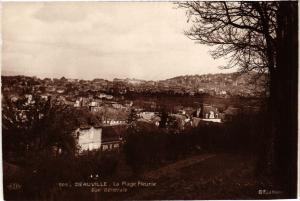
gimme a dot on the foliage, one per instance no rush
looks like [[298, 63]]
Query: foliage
[[132, 117], [36, 128], [148, 149], [163, 118]]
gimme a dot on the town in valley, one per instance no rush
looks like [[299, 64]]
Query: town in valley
[[106, 108], [192, 100]]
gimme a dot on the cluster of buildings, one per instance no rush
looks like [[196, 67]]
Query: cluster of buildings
[[108, 137], [112, 111]]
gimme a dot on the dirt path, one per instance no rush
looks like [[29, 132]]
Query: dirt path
[[174, 168], [206, 176]]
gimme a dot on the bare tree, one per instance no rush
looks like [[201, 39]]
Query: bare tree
[[242, 31], [261, 37]]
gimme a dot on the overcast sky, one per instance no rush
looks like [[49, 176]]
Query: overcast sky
[[90, 40]]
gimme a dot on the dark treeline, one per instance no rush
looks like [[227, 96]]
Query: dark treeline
[[149, 149], [170, 101]]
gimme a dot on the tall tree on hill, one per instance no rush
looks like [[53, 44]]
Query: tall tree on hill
[[132, 118], [260, 37], [163, 118]]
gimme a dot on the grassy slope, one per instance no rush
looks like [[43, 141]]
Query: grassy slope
[[203, 176], [220, 176]]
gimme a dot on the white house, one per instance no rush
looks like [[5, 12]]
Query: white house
[[77, 103], [60, 91], [89, 138], [113, 122], [147, 115], [29, 98], [105, 138], [107, 96], [223, 92]]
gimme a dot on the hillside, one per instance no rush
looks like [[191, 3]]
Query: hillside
[[233, 84], [249, 84]]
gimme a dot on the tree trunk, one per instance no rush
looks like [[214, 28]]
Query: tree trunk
[[284, 99]]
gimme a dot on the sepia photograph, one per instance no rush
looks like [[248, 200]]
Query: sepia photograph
[[149, 100]]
